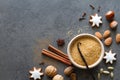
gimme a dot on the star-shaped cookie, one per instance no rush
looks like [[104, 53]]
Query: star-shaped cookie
[[36, 73], [95, 20], [110, 57]]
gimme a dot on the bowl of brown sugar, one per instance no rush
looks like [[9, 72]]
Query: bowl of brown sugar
[[91, 48]]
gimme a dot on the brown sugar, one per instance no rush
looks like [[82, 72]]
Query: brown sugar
[[90, 49]]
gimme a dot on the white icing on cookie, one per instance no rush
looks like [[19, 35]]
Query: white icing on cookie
[[35, 73], [95, 20], [110, 57]]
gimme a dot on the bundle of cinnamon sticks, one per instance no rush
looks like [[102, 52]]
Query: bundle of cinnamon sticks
[[56, 54]]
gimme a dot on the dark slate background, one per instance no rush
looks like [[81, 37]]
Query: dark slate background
[[27, 26]]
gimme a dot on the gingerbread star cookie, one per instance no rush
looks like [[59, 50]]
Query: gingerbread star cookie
[[110, 57], [95, 20], [36, 73]]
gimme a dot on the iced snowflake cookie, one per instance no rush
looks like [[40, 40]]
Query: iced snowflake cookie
[[110, 57], [36, 73], [95, 20]]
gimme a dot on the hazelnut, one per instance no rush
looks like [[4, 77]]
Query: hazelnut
[[110, 15], [106, 33], [51, 71], [118, 38], [73, 76], [99, 35], [68, 70], [108, 41], [113, 24], [58, 77]]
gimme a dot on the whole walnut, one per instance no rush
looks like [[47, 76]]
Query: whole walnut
[[51, 71], [58, 77]]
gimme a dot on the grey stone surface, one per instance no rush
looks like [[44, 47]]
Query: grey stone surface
[[27, 26]]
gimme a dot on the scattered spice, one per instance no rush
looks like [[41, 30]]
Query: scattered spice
[[99, 9], [84, 14], [42, 63], [92, 6], [82, 18], [60, 42], [69, 33]]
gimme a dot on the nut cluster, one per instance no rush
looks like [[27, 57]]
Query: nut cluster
[[106, 72], [110, 17], [51, 71], [106, 35]]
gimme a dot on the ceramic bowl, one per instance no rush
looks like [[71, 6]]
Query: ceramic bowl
[[88, 35]]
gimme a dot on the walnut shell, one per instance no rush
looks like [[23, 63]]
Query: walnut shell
[[99, 35], [68, 70], [108, 41], [51, 71], [118, 38], [106, 33], [58, 77]]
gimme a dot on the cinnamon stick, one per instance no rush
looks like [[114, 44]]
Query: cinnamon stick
[[55, 50], [55, 56]]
